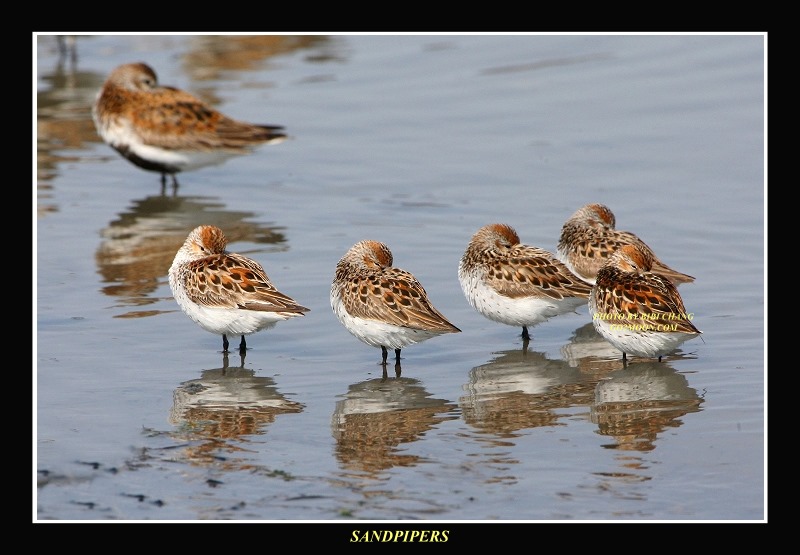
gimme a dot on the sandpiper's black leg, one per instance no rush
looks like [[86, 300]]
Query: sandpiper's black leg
[[242, 346], [384, 356], [525, 335], [397, 356], [164, 183], [224, 343]]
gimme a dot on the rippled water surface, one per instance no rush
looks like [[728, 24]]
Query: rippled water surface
[[416, 141]]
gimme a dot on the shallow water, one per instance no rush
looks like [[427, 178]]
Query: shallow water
[[416, 141]]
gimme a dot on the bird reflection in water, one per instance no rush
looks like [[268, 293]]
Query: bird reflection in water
[[216, 413], [518, 390], [137, 248], [514, 392], [632, 402], [397, 370], [64, 129], [211, 57], [590, 353], [376, 417], [635, 404], [67, 49]]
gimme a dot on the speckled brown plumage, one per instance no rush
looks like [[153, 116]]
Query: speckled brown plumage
[[168, 130], [224, 292], [589, 237], [516, 284], [636, 310], [381, 305]]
